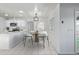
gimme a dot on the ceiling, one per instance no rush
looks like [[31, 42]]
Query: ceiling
[[12, 9]]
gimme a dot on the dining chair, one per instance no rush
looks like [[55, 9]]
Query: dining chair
[[44, 36], [42, 33], [26, 36]]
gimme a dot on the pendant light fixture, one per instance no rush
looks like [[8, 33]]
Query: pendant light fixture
[[36, 18]]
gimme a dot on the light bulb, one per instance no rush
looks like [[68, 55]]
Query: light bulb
[[35, 9], [21, 11], [6, 14]]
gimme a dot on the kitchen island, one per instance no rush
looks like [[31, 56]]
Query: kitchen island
[[9, 40]]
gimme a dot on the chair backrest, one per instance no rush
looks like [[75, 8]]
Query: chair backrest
[[41, 29], [40, 26]]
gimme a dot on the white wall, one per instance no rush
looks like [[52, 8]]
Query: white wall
[[66, 41], [67, 29], [63, 34], [56, 27]]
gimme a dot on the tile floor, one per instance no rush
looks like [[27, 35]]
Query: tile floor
[[30, 49]]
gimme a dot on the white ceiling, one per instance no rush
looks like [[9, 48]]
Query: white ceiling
[[13, 9]]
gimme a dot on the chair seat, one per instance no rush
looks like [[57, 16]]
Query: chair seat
[[43, 33], [28, 34]]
